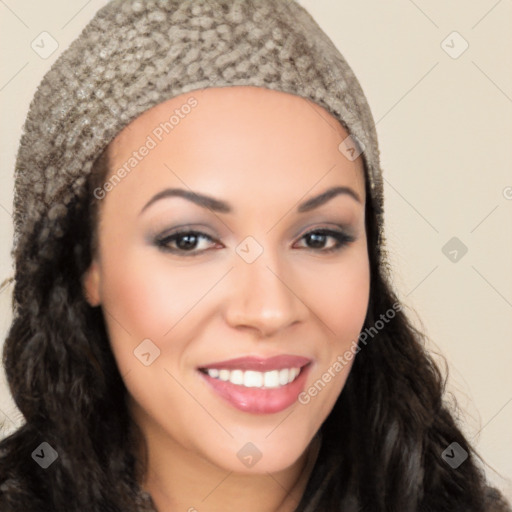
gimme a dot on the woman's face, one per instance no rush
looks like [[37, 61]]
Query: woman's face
[[266, 266]]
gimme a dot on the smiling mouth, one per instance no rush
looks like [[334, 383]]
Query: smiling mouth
[[253, 379], [258, 392]]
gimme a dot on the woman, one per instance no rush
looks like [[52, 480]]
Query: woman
[[202, 313]]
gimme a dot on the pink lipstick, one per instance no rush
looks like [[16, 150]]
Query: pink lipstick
[[257, 385]]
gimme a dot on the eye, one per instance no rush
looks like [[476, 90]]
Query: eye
[[318, 238], [185, 243]]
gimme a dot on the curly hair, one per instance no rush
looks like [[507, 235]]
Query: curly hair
[[65, 381]]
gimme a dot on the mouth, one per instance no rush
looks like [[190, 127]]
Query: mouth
[[259, 386], [254, 379]]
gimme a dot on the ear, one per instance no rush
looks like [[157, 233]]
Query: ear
[[91, 284]]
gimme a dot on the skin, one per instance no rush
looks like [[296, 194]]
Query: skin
[[263, 152]]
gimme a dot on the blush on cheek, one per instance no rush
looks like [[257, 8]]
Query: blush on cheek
[[342, 301], [149, 295], [137, 306]]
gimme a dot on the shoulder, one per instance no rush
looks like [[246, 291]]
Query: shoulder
[[495, 502]]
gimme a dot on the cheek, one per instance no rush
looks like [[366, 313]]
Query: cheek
[[340, 296], [148, 294]]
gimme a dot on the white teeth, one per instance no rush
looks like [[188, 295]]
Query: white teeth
[[253, 379], [271, 379], [213, 372], [224, 375], [237, 377]]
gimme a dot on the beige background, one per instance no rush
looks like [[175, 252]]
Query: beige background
[[445, 128]]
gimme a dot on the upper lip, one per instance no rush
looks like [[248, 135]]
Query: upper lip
[[260, 364]]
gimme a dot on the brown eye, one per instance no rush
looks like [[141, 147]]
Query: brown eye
[[182, 242], [186, 242], [318, 238]]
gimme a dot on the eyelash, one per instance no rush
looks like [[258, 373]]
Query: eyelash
[[342, 240]]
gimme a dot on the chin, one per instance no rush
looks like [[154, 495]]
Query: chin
[[259, 457]]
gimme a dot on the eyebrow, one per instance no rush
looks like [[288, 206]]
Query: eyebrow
[[217, 205]]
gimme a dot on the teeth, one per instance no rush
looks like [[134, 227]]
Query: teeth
[[283, 376], [253, 379], [270, 379], [236, 377], [224, 375]]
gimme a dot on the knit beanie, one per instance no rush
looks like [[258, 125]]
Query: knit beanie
[[135, 54]]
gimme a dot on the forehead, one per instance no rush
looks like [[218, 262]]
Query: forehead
[[238, 138]]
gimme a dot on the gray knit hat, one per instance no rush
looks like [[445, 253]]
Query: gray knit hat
[[135, 54]]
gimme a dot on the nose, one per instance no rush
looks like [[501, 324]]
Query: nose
[[265, 297]]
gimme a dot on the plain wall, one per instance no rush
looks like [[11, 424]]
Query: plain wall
[[444, 123]]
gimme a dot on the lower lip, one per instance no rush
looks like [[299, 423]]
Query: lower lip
[[258, 400]]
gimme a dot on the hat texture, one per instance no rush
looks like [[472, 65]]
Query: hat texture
[[135, 54]]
